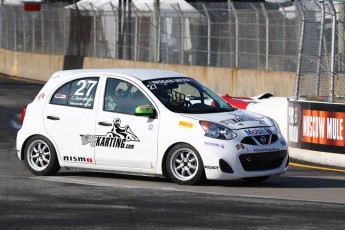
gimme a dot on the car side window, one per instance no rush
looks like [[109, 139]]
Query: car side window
[[123, 97], [77, 93]]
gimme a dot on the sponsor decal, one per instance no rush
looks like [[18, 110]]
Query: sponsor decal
[[323, 127], [240, 119], [86, 139], [81, 101], [60, 96], [150, 126], [41, 96], [239, 146], [77, 159], [293, 123], [214, 144], [261, 131], [316, 126], [211, 167], [186, 124], [118, 137], [265, 150], [153, 84], [283, 143], [145, 108]]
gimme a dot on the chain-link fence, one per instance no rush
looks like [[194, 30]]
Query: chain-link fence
[[306, 36], [230, 34], [321, 69]]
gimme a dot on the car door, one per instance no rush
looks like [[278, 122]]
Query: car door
[[123, 139], [69, 119]]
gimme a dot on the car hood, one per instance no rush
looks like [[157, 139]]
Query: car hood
[[237, 119]]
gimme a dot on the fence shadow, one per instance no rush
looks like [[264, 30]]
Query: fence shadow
[[73, 62]]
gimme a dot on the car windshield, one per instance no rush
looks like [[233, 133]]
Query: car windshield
[[185, 95]]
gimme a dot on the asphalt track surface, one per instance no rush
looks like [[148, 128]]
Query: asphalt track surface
[[302, 198]]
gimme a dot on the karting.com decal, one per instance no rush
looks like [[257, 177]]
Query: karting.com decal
[[118, 137]]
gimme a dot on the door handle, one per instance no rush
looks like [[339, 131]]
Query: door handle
[[104, 123], [53, 118]]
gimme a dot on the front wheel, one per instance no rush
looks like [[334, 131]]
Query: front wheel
[[184, 165], [40, 156]]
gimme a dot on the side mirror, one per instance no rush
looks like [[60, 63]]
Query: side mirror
[[145, 110]]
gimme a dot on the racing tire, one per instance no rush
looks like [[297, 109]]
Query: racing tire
[[184, 165], [40, 156], [256, 180]]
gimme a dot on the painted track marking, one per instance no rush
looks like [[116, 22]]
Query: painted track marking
[[316, 167]]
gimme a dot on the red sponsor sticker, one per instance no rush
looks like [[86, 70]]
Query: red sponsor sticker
[[41, 96]]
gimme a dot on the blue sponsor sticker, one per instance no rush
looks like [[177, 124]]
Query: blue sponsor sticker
[[214, 144], [259, 131]]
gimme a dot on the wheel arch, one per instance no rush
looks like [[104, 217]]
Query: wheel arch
[[33, 135], [163, 165]]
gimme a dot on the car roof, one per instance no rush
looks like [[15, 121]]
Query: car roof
[[141, 74]]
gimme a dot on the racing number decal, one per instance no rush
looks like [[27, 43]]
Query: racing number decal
[[83, 84], [78, 93]]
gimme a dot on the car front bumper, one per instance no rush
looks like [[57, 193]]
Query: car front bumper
[[226, 160]]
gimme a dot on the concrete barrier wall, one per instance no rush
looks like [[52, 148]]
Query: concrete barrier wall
[[236, 82]]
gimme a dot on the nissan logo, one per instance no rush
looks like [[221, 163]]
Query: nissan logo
[[263, 139]]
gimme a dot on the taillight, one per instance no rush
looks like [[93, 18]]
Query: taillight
[[23, 114]]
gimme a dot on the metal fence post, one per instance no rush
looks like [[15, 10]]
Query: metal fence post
[[236, 33], [179, 12], [1, 25], [24, 34], [182, 33], [116, 30], [136, 32], [267, 35], [341, 37], [320, 49], [33, 48], [284, 29], [257, 34], [156, 23], [66, 32], [94, 29], [14, 29], [299, 59], [208, 35], [333, 73], [229, 22], [42, 32], [7, 29], [78, 30]]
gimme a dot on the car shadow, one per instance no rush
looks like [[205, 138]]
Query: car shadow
[[284, 182], [273, 182]]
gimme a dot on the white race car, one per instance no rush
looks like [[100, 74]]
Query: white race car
[[141, 121]]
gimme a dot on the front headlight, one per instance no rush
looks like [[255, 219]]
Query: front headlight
[[276, 124], [217, 131]]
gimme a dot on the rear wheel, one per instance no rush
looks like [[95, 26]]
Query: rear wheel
[[184, 165], [255, 180], [40, 156]]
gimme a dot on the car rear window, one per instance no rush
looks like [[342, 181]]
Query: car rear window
[[77, 93]]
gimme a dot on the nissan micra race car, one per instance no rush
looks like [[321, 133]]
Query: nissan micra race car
[[141, 121]]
